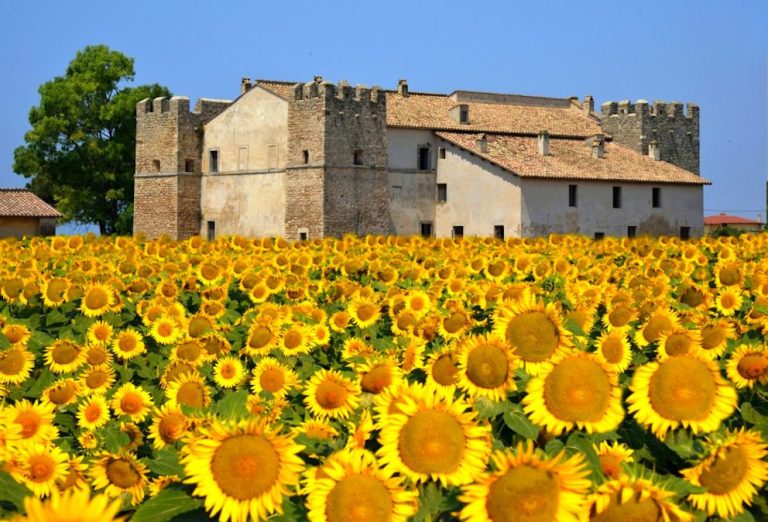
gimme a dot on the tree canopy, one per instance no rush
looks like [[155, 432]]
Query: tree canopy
[[80, 152]]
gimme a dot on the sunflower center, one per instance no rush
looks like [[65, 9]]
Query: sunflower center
[[487, 366], [577, 390], [682, 388], [496, 269], [445, 371], [677, 344], [228, 371], [726, 473], [198, 326], [293, 339], [41, 468], [417, 304], [712, 337], [376, 380], [331, 395], [729, 276], [533, 336], [191, 394], [165, 329], [92, 413], [62, 394], [613, 350], [170, 426], [432, 442], [366, 312], [127, 343], [12, 362], [359, 498], [122, 474], [611, 465], [96, 299], [64, 353], [189, 351], [728, 300], [246, 466], [454, 322], [634, 510], [272, 380], [209, 271], [260, 337], [406, 321], [753, 366], [619, 316], [14, 334], [692, 297], [96, 356], [96, 379], [29, 422], [523, 493], [131, 403], [655, 327]]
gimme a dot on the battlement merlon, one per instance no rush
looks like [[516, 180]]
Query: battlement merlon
[[342, 91], [643, 108], [178, 106]]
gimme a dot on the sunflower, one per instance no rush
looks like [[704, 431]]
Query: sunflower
[[93, 413], [614, 350], [135, 436], [262, 338], [169, 424], [377, 376], [270, 375], [35, 420], [533, 330], [486, 367], [364, 312], [242, 470], [410, 351], [165, 330], [329, 394], [119, 473], [339, 321], [189, 390], [316, 429], [98, 378], [658, 322], [17, 334], [39, 467], [97, 300], [443, 370], [128, 343], [354, 488], [296, 340], [99, 333], [731, 474], [748, 365], [64, 356], [576, 391], [433, 437], [228, 372], [74, 504], [683, 391], [97, 354], [190, 351], [418, 303], [75, 478], [132, 401], [714, 337], [728, 301], [61, 392], [527, 485], [678, 341], [355, 347], [611, 456], [454, 323], [15, 365], [635, 499], [54, 291]]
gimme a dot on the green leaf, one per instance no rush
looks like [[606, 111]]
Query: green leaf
[[233, 405], [166, 462], [114, 439], [584, 445], [13, 492], [487, 408], [516, 420], [682, 444], [167, 505], [55, 318], [37, 385]]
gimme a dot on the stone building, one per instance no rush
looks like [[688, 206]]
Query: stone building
[[24, 214], [318, 159]]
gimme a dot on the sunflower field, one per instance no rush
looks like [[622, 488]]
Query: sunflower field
[[384, 379]]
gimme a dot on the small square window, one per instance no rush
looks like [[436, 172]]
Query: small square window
[[631, 231], [156, 165], [599, 236], [189, 165], [305, 156], [424, 163], [572, 195], [211, 232], [616, 197], [442, 192], [214, 161], [303, 236], [463, 114], [458, 231], [498, 231], [685, 232], [426, 229], [358, 157], [441, 153], [656, 197]]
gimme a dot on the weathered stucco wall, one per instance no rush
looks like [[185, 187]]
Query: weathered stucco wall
[[403, 148], [545, 208], [480, 196], [19, 226], [251, 205], [411, 201], [252, 135]]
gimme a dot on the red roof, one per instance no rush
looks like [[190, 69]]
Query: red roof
[[725, 219], [23, 203]]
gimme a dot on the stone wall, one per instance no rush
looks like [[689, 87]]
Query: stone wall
[[154, 208], [676, 131], [304, 209], [356, 201]]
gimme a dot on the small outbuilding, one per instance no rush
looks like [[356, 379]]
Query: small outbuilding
[[22, 213], [739, 223]]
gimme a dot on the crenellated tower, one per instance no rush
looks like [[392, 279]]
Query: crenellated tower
[[664, 131], [336, 175]]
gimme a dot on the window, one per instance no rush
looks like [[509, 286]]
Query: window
[[426, 229], [303, 236], [358, 157], [616, 197], [189, 165], [211, 230], [214, 161], [441, 153], [464, 114], [498, 231], [424, 158], [599, 236], [156, 165], [458, 231], [685, 232], [631, 231], [305, 156], [442, 192], [572, 195], [656, 197]]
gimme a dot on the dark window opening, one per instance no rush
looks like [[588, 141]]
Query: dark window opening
[[442, 192], [426, 229], [685, 232], [305, 156], [211, 234], [656, 197], [424, 158], [498, 231], [599, 235], [616, 197], [572, 195], [458, 231], [156, 165], [358, 157], [303, 236], [463, 114], [189, 165], [631, 231], [441, 152], [214, 161]]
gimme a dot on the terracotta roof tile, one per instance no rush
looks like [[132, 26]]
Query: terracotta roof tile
[[23, 203], [281, 89], [572, 159], [725, 219]]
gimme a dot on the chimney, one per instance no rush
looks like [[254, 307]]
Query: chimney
[[598, 146], [482, 143], [544, 143], [654, 151], [402, 87], [318, 79], [588, 105], [245, 85]]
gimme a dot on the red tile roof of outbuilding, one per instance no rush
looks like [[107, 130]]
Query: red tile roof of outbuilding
[[23, 203]]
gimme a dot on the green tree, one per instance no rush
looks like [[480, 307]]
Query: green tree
[[80, 152]]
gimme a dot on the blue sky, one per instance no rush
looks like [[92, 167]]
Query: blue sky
[[711, 53]]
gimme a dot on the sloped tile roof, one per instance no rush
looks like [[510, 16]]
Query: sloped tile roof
[[725, 219], [281, 89], [571, 159], [23, 203]]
